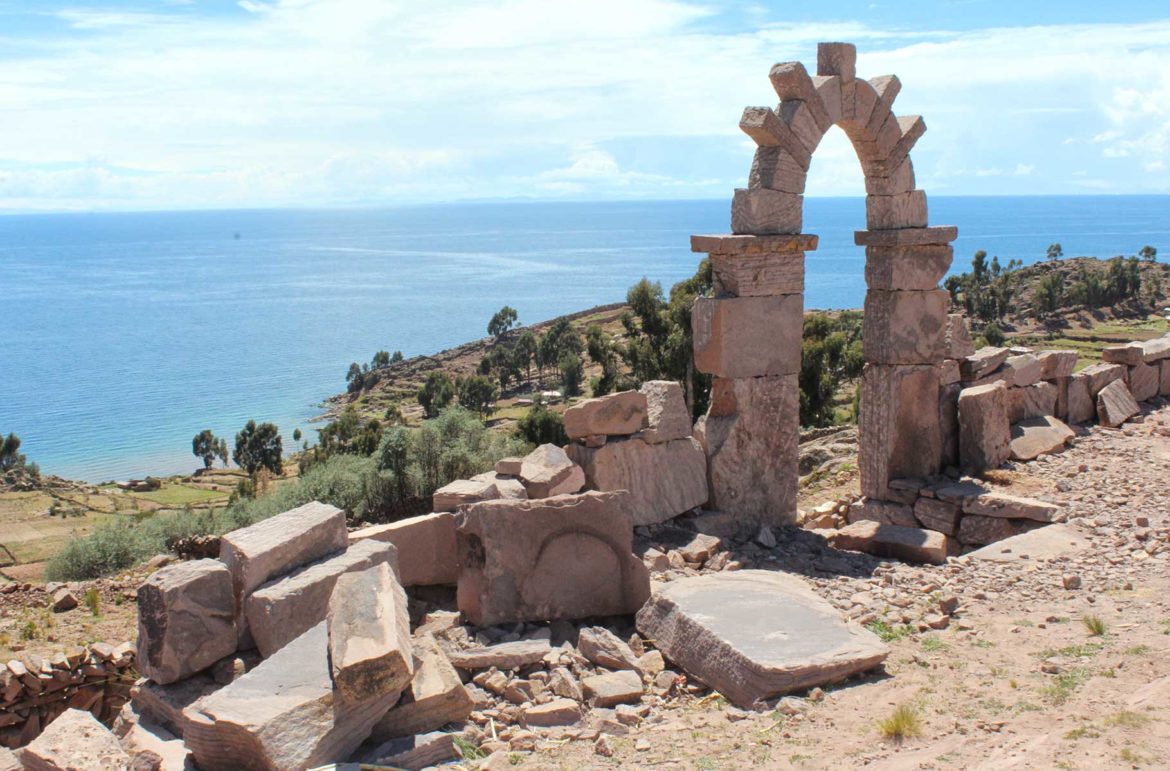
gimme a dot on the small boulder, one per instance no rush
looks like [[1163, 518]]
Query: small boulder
[[75, 741], [553, 713], [613, 688], [605, 649], [548, 471], [911, 544], [619, 414], [1034, 437], [1115, 404], [370, 651]]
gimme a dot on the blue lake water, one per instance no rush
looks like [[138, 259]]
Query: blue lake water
[[126, 334]]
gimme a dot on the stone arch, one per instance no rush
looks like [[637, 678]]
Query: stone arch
[[748, 336]]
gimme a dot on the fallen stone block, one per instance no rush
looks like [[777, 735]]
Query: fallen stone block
[[667, 416], [276, 546], [548, 471], [1156, 350], [983, 362], [186, 620], [558, 558], [612, 688], [284, 609], [509, 466], [506, 486], [605, 649], [1022, 370], [511, 655], [165, 704], [959, 344], [284, 714], [756, 634], [619, 414], [1101, 375], [1034, 437], [1115, 405], [885, 512], [461, 491], [910, 544], [664, 480], [554, 713], [413, 753], [1004, 506], [1051, 542], [976, 530], [435, 698], [984, 431], [1128, 354], [426, 548], [1056, 364], [1034, 401], [1081, 405], [370, 649], [1143, 381], [75, 741], [739, 337]]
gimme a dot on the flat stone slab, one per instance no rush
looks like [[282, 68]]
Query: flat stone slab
[[1050, 542], [1034, 437], [426, 548], [370, 650], [411, 752], [755, 634], [435, 698], [75, 740], [511, 655], [880, 539], [1004, 506]]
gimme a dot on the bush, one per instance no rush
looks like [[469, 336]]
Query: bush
[[994, 335], [436, 393], [112, 546], [543, 426]]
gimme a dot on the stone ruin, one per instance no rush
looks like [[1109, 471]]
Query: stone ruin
[[306, 645]]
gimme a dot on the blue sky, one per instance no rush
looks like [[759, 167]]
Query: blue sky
[[189, 104]]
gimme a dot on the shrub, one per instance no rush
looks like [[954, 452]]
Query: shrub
[[902, 724], [994, 335], [436, 393], [543, 426], [112, 546]]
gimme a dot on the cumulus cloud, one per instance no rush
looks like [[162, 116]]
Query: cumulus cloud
[[307, 102]]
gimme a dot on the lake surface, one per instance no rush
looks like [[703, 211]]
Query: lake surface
[[126, 334]]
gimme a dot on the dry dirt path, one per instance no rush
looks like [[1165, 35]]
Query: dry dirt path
[[1017, 679]]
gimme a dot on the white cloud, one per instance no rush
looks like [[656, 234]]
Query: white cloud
[[343, 101]]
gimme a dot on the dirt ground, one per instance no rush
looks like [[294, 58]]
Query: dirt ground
[[1017, 680]]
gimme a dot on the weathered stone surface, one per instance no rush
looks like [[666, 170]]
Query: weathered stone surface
[[186, 619], [1051, 542], [886, 512], [165, 704], [799, 117], [911, 544], [984, 431], [943, 234], [763, 211], [776, 169], [1034, 437], [435, 698], [959, 344], [553, 713], [948, 423], [828, 88], [412, 753], [1034, 401], [983, 362], [144, 736], [1143, 381], [757, 275], [751, 434], [948, 372], [611, 688], [898, 437], [1127, 353], [511, 655], [75, 741], [893, 212], [619, 414], [1164, 386], [886, 178], [506, 486], [756, 634], [1115, 404], [284, 714], [509, 466], [462, 491], [1101, 375], [907, 267], [426, 548], [1022, 370], [370, 650], [1056, 364], [606, 649], [934, 514], [1156, 350], [979, 530], [748, 336], [278, 545], [1081, 405], [729, 244], [837, 59], [547, 471], [284, 609], [767, 129], [9, 761], [905, 327], [561, 558], [667, 416], [664, 480], [1004, 506], [793, 84]]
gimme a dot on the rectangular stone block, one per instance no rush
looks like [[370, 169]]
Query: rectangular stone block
[[748, 336], [435, 698], [948, 372], [664, 480], [828, 88], [1056, 364], [858, 101], [912, 127], [911, 544], [899, 438], [1156, 350], [276, 546], [284, 714], [907, 267], [767, 130], [883, 180], [619, 414], [1115, 404], [1127, 353], [1143, 381], [793, 84], [566, 557], [75, 740], [1081, 405], [838, 59], [1021, 370], [894, 212], [751, 434], [186, 620], [1164, 385], [942, 234], [799, 117], [284, 609], [370, 650], [758, 275], [905, 327], [426, 548], [462, 491], [934, 514], [983, 362], [732, 245], [1034, 401], [984, 430], [959, 343], [667, 415], [1101, 375], [775, 169], [765, 212], [975, 530], [880, 138]]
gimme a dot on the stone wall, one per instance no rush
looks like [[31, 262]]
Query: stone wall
[[34, 690]]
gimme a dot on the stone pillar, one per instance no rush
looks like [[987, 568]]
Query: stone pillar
[[749, 336], [903, 427]]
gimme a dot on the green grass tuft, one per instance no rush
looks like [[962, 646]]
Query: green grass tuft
[[902, 724], [1094, 625]]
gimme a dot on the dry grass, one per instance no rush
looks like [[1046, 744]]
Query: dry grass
[[903, 723]]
